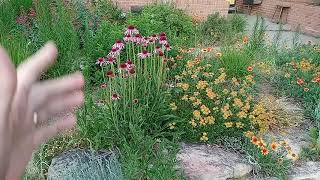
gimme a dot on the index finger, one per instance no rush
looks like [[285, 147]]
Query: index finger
[[30, 71]]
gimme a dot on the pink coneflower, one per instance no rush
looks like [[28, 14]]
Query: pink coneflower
[[103, 86], [157, 50], [162, 34], [138, 39], [163, 40], [130, 65], [110, 73], [151, 41], [114, 52], [32, 13], [127, 38], [100, 61], [145, 41], [161, 54], [132, 71], [165, 61], [115, 96], [123, 66], [111, 60], [144, 54], [154, 37], [22, 19], [168, 47], [131, 30], [119, 44]]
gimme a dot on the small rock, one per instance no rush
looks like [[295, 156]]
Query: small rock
[[86, 165], [203, 162]]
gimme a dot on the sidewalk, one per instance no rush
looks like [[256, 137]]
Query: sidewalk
[[286, 34]]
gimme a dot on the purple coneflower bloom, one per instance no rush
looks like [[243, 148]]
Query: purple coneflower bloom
[[131, 30], [100, 61], [161, 54], [111, 60], [114, 52], [138, 39], [168, 47], [32, 13], [129, 64], [110, 74], [157, 50], [127, 38], [163, 40], [119, 44], [123, 66], [154, 37], [22, 19], [103, 86], [115, 96], [132, 71], [145, 41], [163, 34], [144, 54]]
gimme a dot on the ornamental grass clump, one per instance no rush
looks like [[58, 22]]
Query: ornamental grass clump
[[134, 72]]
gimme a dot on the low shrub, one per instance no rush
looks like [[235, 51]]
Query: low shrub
[[219, 29], [165, 18], [301, 79]]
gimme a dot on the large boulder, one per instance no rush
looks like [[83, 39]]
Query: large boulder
[[204, 162], [85, 164]]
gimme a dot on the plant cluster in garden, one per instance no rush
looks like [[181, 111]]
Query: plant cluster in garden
[[134, 71], [25, 18], [209, 102], [279, 149], [303, 75], [302, 79]]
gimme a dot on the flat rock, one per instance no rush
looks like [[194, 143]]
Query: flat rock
[[306, 171], [204, 162], [85, 165]]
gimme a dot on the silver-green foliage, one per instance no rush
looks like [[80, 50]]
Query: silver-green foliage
[[87, 166]]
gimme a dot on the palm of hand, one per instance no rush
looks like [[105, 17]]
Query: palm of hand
[[21, 97]]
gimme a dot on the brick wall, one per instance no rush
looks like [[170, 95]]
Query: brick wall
[[301, 12], [200, 8]]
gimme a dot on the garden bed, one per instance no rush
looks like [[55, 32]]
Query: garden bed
[[162, 86]]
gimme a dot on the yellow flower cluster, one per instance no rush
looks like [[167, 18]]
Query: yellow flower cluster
[[221, 78], [261, 117], [172, 125], [226, 111], [237, 102], [205, 110], [204, 137], [209, 97], [173, 106], [210, 93], [184, 86], [305, 65], [202, 84]]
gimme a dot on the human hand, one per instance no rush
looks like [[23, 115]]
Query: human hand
[[26, 102]]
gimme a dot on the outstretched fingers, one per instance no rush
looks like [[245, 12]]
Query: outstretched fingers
[[47, 132], [31, 70], [43, 92], [61, 105]]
